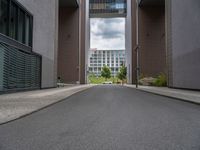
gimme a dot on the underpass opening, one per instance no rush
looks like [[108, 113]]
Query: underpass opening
[[110, 27]]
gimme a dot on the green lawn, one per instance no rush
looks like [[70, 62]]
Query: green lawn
[[101, 80]]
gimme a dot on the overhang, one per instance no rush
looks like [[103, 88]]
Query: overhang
[[68, 3], [108, 8], [151, 2]]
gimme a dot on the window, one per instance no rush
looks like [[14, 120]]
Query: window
[[27, 30], [4, 11], [15, 22], [21, 26]]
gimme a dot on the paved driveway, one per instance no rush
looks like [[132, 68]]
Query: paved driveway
[[107, 118]]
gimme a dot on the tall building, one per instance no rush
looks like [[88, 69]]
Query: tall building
[[46, 39], [109, 8], [114, 59]]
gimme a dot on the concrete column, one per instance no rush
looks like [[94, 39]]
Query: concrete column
[[84, 40], [128, 42], [133, 41]]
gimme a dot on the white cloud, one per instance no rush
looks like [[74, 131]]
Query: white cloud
[[107, 33]]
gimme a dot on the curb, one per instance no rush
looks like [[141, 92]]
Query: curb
[[176, 98], [40, 109]]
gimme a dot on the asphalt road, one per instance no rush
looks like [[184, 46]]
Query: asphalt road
[[107, 118]]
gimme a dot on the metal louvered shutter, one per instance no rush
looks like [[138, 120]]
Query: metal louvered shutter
[[18, 70]]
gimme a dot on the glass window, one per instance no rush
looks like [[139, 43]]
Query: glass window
[[27, 30], [4, 16], [21, 26], [13, 21]]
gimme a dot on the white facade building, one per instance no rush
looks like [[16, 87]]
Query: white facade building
[[114, 59]]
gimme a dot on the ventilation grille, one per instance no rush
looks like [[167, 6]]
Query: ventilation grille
[[18, 70]]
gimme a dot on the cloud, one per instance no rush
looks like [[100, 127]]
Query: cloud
[[107, 33]]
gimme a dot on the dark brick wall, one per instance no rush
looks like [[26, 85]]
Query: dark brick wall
[[152, 40], [68, 53]]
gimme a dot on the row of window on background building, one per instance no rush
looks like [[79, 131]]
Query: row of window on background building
[[108, 6], [111, 58], [15, 22]]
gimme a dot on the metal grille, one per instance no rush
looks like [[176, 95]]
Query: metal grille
[[18, 70]]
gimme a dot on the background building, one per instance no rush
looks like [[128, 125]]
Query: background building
[[108, 8], [114, 59]]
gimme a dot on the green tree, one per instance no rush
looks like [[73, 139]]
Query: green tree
[[106, 73], [122, 74]]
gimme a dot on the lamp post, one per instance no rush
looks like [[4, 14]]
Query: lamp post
[[137, 44]]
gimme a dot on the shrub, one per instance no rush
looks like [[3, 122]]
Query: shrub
[[161, 80]]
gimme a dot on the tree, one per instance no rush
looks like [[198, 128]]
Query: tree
[[122, 74], [106, 73]]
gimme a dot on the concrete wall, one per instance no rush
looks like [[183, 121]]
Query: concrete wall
[[152, 40], [128, 42], [45, 36], [87, 39], [68, 53], [183, 27]]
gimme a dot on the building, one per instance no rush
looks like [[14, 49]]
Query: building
[[110, 8], [20, 66], [167, 33], [43, 40], [114, 59], [169, 40], [32, 37]]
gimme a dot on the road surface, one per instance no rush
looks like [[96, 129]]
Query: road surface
[[107, 118]]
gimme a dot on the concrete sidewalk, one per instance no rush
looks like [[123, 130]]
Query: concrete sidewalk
[[186, 95], [16, 105]]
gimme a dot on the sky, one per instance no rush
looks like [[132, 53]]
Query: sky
[[107, 33]]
